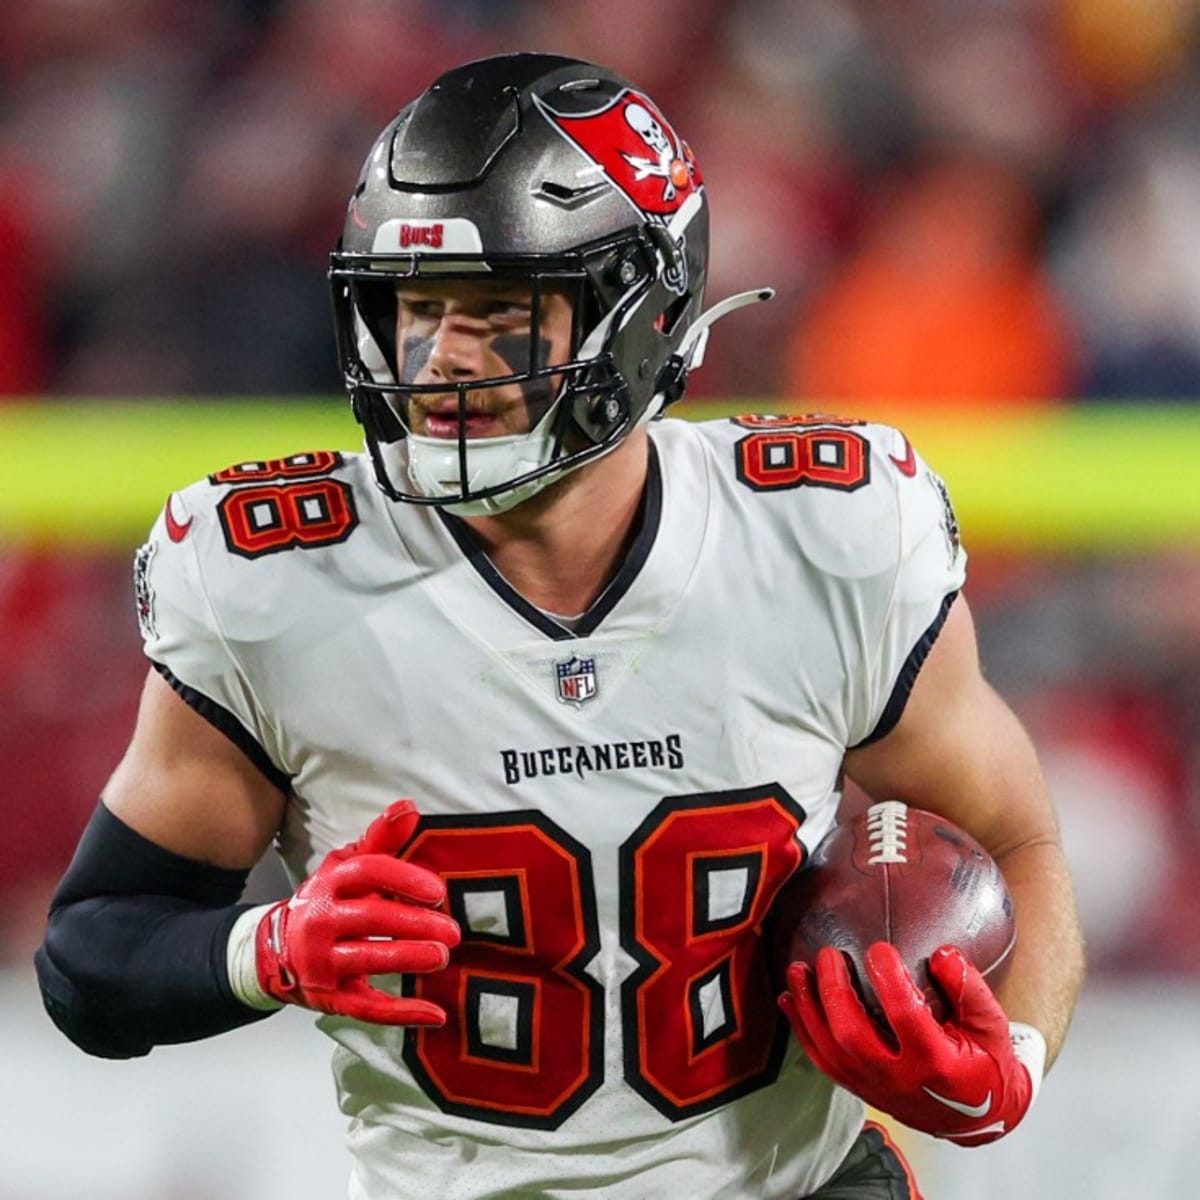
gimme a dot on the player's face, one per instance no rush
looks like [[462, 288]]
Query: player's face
[[459, 331]]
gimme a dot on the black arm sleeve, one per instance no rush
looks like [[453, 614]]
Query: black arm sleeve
[[134, 953]]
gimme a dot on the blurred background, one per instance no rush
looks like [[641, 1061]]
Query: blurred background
[[982, 220]]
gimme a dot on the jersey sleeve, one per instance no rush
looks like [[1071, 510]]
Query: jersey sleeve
[[181, 630], [913, 604]]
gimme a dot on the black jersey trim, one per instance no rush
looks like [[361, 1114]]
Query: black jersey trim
[[222, 719], [646, 522], [908, 676], [474, 553]]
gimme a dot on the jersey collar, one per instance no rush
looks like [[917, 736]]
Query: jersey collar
[[647, 522]]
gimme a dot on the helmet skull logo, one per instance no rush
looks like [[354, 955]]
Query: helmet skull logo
[[666, 165]]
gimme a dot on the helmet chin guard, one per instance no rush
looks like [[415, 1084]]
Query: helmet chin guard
[[537, 173], [493, 465]]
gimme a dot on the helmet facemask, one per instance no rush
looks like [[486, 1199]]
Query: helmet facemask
[[547, 404]]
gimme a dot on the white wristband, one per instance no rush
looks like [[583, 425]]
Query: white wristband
[[241, 960], [1030, 1049]]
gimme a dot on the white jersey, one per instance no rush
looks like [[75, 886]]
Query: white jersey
[[612, 808]]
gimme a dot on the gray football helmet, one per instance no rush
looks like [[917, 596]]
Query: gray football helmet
[[552, 173]]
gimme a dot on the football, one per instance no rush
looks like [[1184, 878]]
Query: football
[[900, 875]]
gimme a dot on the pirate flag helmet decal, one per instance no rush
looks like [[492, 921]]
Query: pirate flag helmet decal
[[641, 154], [553, 181]]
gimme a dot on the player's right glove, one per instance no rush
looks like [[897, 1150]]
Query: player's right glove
[[970, 1079], [362, 912]]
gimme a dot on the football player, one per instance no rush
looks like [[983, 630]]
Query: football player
[[621, 665]]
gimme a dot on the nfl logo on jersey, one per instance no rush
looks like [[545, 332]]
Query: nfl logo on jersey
[[576, 679]]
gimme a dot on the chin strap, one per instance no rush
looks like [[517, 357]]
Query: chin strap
[[672, 379]]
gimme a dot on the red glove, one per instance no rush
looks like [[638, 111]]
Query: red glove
[[961, 1080], [361, 912]]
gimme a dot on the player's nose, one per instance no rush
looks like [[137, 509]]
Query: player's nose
[[459, 349]]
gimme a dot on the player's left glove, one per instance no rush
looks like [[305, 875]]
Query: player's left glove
[[362, 912], [971, 1079]]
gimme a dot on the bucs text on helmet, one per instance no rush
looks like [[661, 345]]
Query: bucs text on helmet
[[548, 173]]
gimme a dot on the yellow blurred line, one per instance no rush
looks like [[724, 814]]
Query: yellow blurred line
[[92, 473], [97, 473], [1109, 479]]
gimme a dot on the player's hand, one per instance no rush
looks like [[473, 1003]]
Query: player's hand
[[958, 1080], [361, 912]]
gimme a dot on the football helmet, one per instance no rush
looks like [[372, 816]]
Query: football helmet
[[554, 176]]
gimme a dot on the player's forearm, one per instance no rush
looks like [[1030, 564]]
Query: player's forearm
[[121, 975], [134, 953], [1047, 967]]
